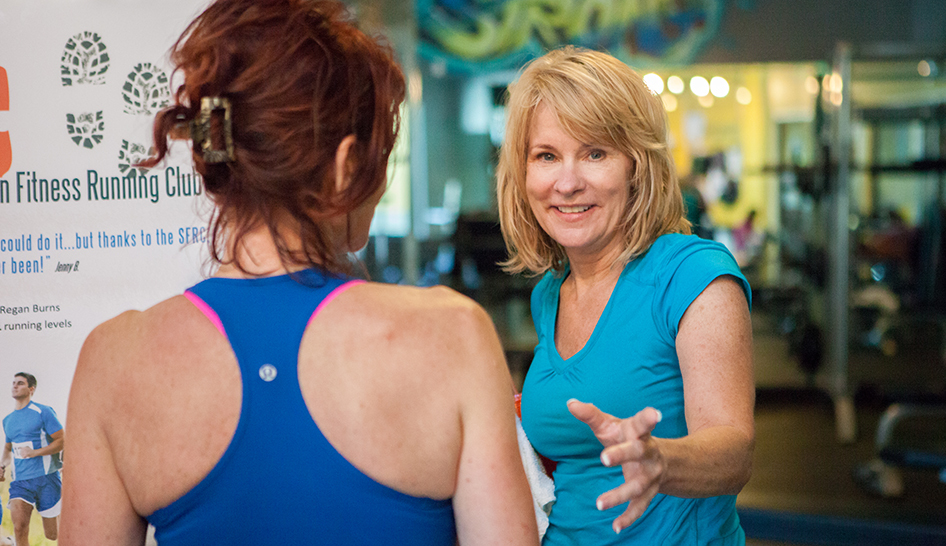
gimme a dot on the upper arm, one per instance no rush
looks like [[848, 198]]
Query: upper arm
[[96, 508], [714, 346], [57, 435], [51, 422], [492, 501]]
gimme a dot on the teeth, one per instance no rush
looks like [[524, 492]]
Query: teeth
[[571, 210]]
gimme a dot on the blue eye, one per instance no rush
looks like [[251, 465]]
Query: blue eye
[[596, 154]]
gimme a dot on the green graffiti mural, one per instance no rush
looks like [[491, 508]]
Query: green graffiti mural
[[482, 35]]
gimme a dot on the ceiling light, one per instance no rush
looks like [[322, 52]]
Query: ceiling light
[[743, 96], [675, 85], [655, 83], [699, 86], [719, 87]]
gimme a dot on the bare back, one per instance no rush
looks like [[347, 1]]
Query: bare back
[[409, 385]]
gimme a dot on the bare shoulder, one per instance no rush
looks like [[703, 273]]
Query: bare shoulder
[[427, 314], [132, 365], [416, 368], [139, 376], [135, 349], [109, 344], [422, 329], [417, 299], [121, 339]]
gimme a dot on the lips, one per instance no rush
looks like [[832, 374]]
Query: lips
[[573, 209]]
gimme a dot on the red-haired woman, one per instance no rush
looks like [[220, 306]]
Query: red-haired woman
[[282, 401]]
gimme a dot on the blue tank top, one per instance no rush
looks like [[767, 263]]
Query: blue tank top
[[280, 481]]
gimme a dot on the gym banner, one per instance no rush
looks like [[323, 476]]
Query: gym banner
[[477, 36], [85, 234]]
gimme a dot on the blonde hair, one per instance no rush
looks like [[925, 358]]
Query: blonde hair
[[597, 99]]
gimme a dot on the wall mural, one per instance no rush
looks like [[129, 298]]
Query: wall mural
[[488, 35]]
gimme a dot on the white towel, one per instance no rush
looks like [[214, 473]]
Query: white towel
[[543, 489]]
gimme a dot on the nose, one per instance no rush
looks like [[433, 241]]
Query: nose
[[569, 180]]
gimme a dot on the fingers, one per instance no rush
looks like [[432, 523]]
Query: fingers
[[635, 430], [624, 452], [642, 477], [588, 414], [635, 509], [606, 428], [636, 495], [644, 421], [627, 443]]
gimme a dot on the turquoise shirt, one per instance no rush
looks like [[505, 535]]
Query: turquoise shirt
[[629, 362]]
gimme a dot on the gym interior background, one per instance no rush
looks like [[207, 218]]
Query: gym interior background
[[815, 133]]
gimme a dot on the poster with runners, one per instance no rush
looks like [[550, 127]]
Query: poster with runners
[[85, 233]]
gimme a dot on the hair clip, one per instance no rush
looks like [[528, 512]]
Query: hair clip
[[202, 126]]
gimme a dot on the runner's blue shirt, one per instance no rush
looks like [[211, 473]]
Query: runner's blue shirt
[[32, 426]]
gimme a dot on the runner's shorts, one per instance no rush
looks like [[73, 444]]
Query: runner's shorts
[[44, 493]]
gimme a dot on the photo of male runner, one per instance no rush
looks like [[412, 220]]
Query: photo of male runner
[[34, 438]]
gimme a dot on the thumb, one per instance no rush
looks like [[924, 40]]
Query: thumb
[[644, 421], [597, 420]]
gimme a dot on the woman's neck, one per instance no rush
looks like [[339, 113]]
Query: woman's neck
[[257, 256], [588, 280], [591, 270]]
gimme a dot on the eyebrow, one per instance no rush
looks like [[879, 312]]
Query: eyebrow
[[583, 147]]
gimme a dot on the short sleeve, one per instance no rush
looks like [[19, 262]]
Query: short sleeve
[[684, 275], [51, 422]]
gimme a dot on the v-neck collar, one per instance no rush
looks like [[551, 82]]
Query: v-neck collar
[[551, 322]]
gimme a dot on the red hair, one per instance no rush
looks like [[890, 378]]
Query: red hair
[[300, 77]]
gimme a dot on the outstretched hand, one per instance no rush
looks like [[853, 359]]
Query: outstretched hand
[[628, 443]]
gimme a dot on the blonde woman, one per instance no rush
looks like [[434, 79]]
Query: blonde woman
[[644, 335]]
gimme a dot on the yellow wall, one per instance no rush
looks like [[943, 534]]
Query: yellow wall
[[749, 128]]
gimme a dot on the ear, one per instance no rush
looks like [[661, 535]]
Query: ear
[[344, 163]]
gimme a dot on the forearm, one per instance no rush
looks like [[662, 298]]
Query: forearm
[[714, 345], [54, 447], [709, 462]]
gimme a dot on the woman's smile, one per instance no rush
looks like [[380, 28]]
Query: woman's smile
[[578, 191]]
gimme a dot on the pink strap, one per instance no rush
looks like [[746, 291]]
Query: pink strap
[[332, 295], [202, 306]]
